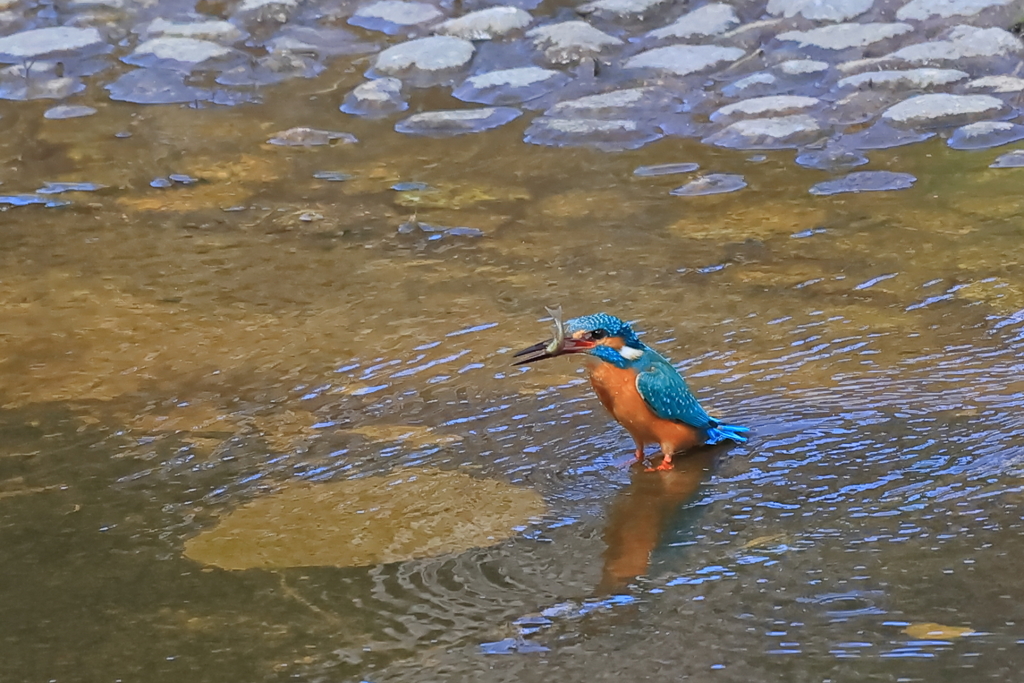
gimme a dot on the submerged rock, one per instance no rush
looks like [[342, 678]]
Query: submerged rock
[[155, 86], [802, 67], [1014, 159], [510, 86], [665, 169], [310, 137], [620, 8], [37, 82], [769, 133], [705, 22], [642, 102], [997, 84], [51, 43], [840, 37], [909, 79], [216, 30], [985, 134], [68, 111], [393, 16], [570, 41], [426, 61], [487, 24], [683, 60], [304, 525], [375, 99], [609, 135], [273, 68], [820, 10], [941, 109], [714, 183], [882, 136], [833, 157], [922, 10], [757, 107], [865, 181], [456, 121]]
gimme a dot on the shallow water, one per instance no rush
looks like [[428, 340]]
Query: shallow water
[[169, 354]]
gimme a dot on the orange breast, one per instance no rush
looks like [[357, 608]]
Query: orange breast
[[616, 388]]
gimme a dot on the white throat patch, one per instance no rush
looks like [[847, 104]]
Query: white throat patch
[[629, 353]]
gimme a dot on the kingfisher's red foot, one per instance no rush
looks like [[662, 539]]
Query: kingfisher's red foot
[[665, 465]]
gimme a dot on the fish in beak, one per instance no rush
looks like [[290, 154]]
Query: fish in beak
[[558, 345]]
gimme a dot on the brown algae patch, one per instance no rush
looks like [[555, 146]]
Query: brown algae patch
[[404, 515]]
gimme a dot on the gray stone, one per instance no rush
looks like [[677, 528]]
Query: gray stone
[[487, 24], [769, 133], [761, 107], [1014, 159], [884, 136], [856, 66], [985, 134], [683, 60], [220, 31], [510, 86], [19, 83], [320, 40], [910, 79], [802, 67], [310, 137], [846, 36], [820, 10], [997, 84], [921, 10], [50, 43], [391, 16], [375, 99], [570, 41], [620, 8], [258, 6], [941, 109], [426, 61], [961, 42], [614, 103], [833, 157], [456, 121], [865, 181], [749, 86], [155, 86], [665, 169], [177, 53], [709, 20]]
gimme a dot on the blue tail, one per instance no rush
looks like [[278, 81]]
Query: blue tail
[[721, 432]]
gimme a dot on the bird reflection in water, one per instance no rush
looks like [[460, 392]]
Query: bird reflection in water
[[641, 515]]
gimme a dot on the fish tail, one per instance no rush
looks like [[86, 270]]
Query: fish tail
[[723, 432]]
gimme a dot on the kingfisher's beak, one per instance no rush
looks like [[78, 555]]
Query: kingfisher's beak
[[542, 350]]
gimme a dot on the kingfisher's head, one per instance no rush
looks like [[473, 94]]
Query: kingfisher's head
[[601, 335]]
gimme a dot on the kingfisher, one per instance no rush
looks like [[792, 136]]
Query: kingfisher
[[637, 385]]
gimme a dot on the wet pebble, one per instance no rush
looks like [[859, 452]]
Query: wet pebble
[[456, 121], [820, 10], [714, 183], [410, 186], [68, 111], [394, 16], [180, 54], [1014, 159], [17, 84], [759, 107], [665, 169], [160, 183], [865, 181], [510, 86], [840, 37], [272, 68], [985, 134], [705, 22], [833, 157], [570, 41], [620, 8], [213, 29], [58, 188], [942, 109], [51, 43], [487, 24], [319, 40], [802, 67], [376, 98], [183, 179], [998, 84], [610, 135], [769, 133], [909, 79], [636, 101], [426, 61], [29, 200], [923, 10], [435, 232], [310, 137], [332, 176], [683, 60], [960, 43], [882, 136], [155, 86]]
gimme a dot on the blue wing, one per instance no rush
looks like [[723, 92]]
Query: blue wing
[[665, 391]]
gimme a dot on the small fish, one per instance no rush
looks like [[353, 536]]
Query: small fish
[[558, 330]]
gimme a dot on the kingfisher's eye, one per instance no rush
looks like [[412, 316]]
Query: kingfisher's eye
[[599, 334]]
